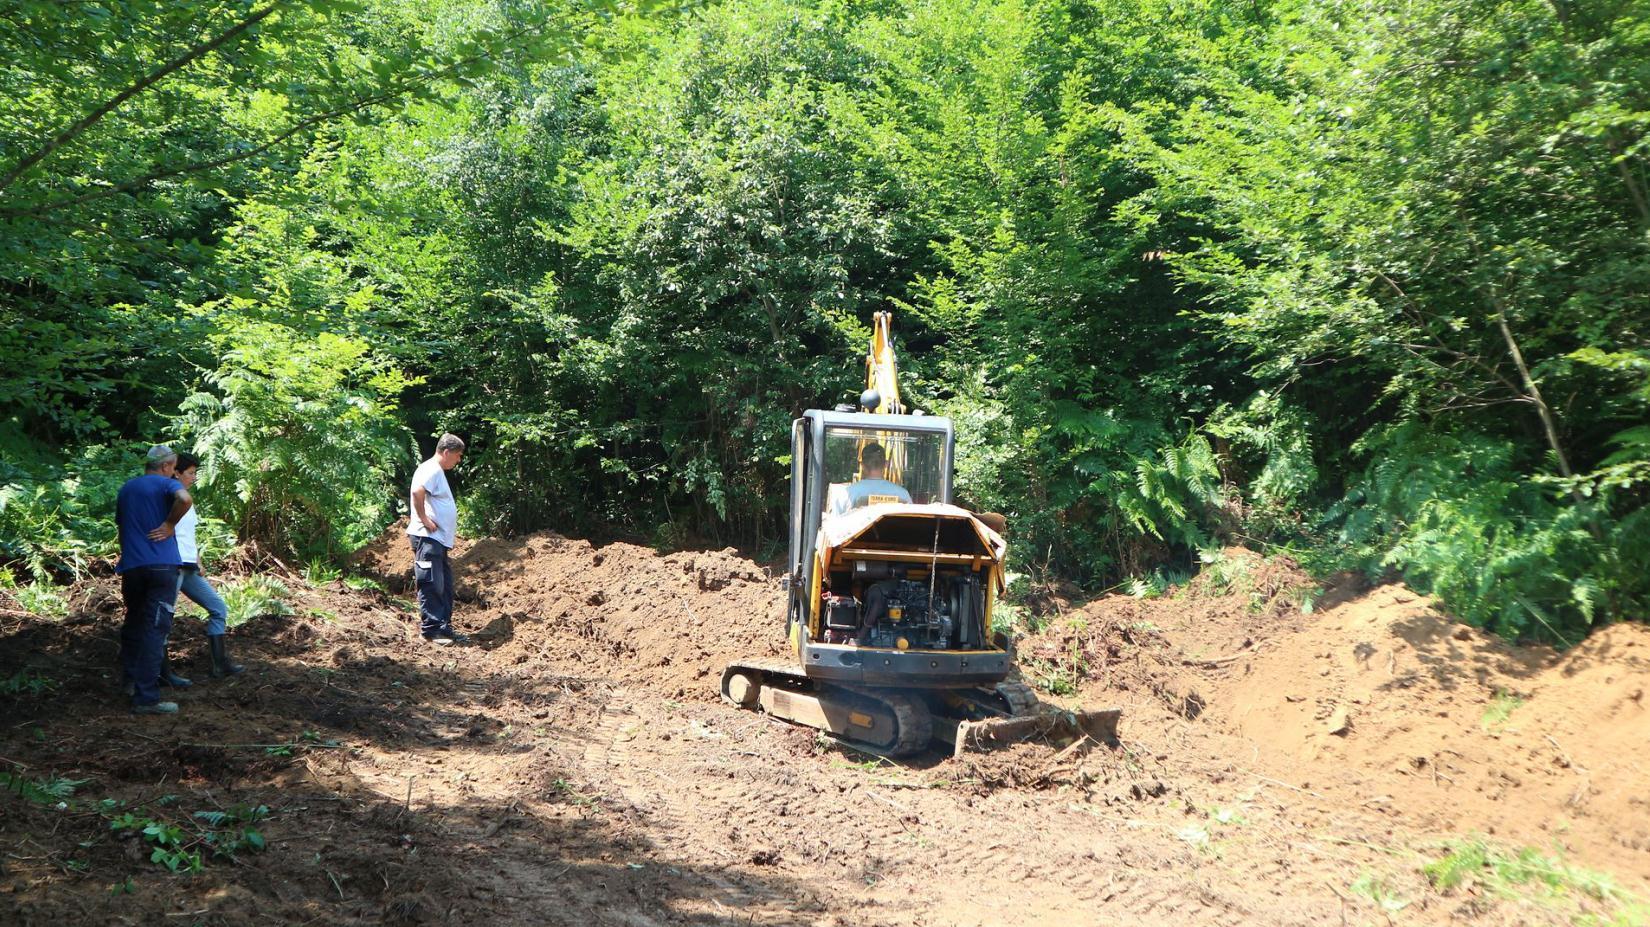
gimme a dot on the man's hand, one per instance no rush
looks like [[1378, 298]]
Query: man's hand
[[419, 494], [166, 530]]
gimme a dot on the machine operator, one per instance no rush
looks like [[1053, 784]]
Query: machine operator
[[873, 485]]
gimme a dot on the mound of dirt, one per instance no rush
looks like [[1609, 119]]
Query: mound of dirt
[[1378, 701], [668, 623], [1385, 697]]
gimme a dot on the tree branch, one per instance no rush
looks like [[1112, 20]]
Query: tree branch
[[153, 77], [1635, 191], [1408, 307], [1548, 424], [138, 183]]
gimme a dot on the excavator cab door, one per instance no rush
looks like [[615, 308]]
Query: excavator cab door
[[798, 564]]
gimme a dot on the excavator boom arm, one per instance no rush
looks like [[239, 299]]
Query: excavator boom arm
[[881, 373]]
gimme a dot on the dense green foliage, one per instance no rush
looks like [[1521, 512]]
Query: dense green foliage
[[1365, 281]]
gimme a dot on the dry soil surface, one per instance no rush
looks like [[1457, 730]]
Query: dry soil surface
[[574, 765]]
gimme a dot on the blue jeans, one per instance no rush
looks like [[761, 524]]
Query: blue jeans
[[192, 583], [434, 577], [150, 594]]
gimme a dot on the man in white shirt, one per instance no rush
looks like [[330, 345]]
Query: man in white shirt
[[432, 529], [193, 584]]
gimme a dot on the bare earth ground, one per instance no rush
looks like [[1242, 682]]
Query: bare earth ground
[[574, 766]]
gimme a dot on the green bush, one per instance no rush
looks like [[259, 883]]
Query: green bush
[[56, 515], [1456, 516], [298, 439]]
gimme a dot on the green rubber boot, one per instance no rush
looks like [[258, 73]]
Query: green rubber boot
[[221, 664]]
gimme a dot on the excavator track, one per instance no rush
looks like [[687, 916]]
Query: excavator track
[[915, 722], [1019, 699], [900, 722], [886, 722]]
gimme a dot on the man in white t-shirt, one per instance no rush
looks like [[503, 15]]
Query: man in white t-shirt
[[432, 529], [193, 584]]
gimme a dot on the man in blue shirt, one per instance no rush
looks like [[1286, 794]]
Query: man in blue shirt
[[147, 512], [873, 485]]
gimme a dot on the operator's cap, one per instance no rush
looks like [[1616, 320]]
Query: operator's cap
[[161, 452]]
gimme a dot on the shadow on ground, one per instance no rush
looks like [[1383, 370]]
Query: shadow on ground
[[365, 746]]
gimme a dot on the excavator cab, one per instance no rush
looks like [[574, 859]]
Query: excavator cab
[[865, 465], [880, 558]]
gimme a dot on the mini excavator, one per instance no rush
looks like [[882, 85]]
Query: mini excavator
[[890, 589]]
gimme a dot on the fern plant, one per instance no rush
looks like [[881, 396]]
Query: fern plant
[[1524, 557], [48, 791], [298, 438], [57, 515], [256, 597]]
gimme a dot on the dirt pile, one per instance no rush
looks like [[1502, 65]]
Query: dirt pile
[[404, 783], [1377, 700], [669, 623], [1389, 700]]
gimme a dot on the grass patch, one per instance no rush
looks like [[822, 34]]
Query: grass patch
[[1580, 896], [179, 843], [1014, 620], [321, 572], [184, 844], [42, 600], [26, 682], [1500, 709], [363, 584], [50, 790], [1053, 677], [1222, 574], [1160, 582], [39, 598], [584, 801], [1379, 892]]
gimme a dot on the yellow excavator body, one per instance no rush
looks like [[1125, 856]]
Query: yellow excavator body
[[891, 587]]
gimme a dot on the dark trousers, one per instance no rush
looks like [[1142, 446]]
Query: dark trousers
[[150, 594], [434, 577]]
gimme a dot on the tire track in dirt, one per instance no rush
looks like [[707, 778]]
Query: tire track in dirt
[[610, 758], [898, 849]]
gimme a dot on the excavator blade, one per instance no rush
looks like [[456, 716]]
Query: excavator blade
[[1053, 726]]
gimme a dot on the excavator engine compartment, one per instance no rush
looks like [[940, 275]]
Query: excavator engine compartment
[[908, 609]]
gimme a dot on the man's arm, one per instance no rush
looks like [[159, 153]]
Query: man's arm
[[419, 494], [182, 502]]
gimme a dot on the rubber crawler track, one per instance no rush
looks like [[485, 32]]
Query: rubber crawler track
[[1021, 699], [913, 721]]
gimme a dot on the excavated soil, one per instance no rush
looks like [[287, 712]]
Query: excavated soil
[[664, 623], [574, 765]]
